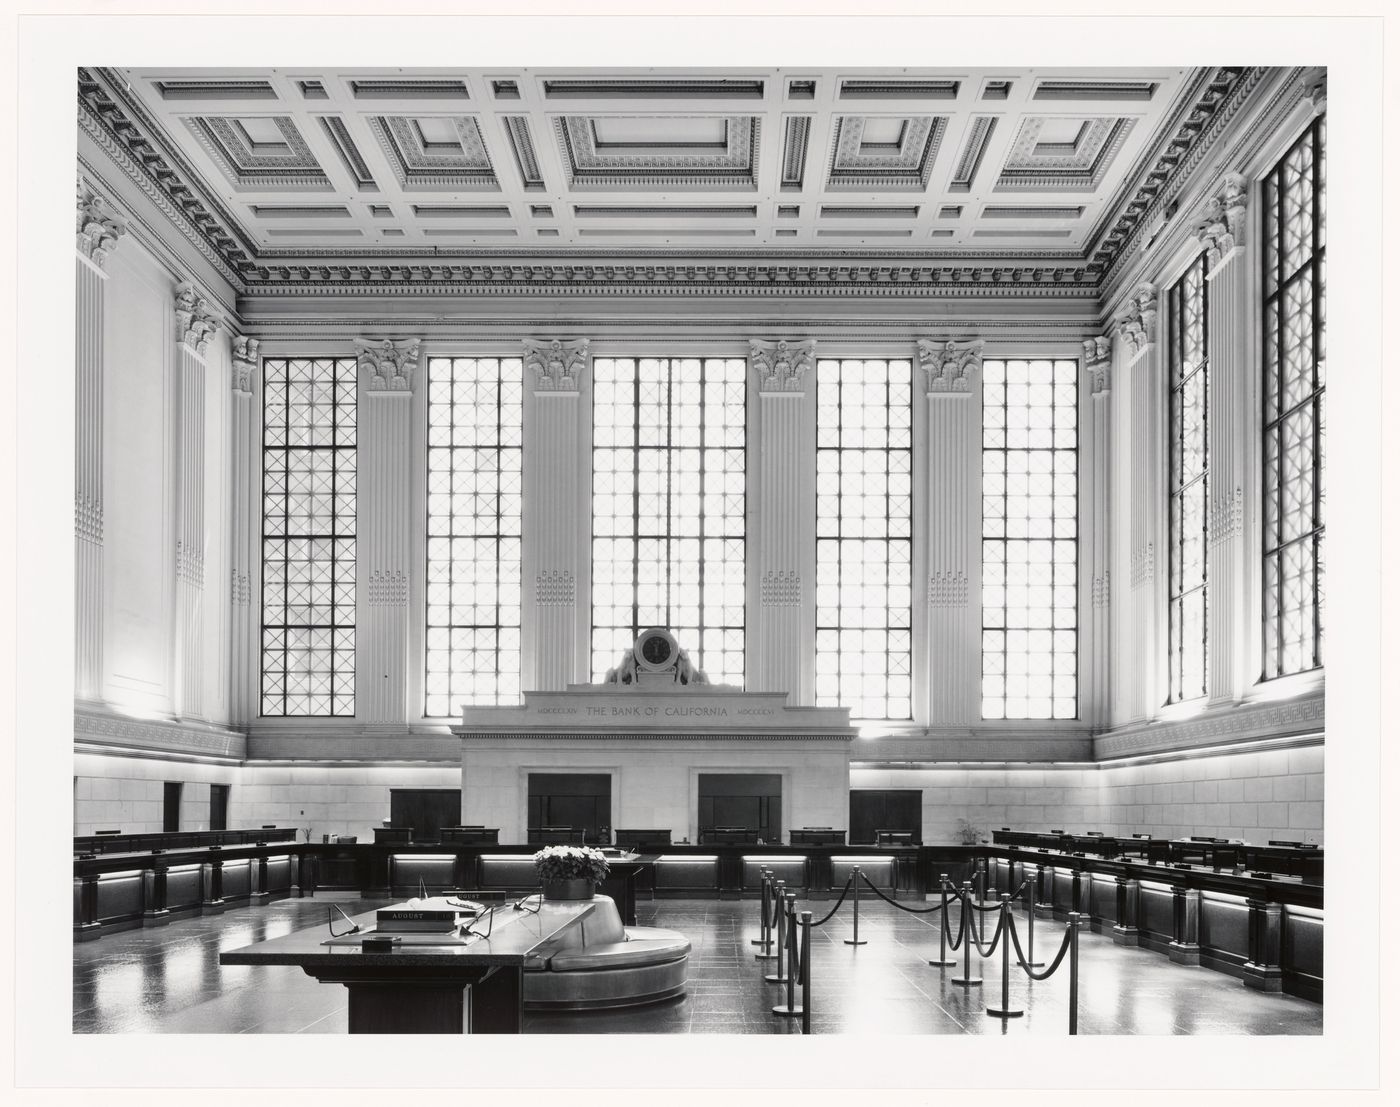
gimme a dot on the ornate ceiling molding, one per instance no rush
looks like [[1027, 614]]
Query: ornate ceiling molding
[[1220, 228], [98, 226], [113, 116], [1315, 88], [245, 363], [195, 324], [1137, 318], [782, 366], [387, 365], [950, 367], [558, 365]]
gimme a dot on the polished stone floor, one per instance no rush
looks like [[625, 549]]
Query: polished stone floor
[[169, 981]]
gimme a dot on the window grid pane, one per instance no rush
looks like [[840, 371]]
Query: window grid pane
[[472, 653], [308, 537], [1295, 279], [864, 544], [1188, 599], [1030, 549], [668, 508]]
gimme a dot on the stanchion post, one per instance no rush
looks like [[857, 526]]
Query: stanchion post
[[774, 907], [765, 948], [785, 904], [1005, 1011], [967, 980], [855, 939], [943, 959], [1074, 972], [806, 947], [761, 940], [1029, 961]]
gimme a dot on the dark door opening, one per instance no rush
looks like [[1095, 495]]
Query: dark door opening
[[747, 802], [218, 806], [426, 810], [173, 788], [569, 807], [896, 809]]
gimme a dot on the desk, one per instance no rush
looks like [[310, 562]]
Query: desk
[[476, 988]]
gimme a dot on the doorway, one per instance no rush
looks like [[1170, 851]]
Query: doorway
[[898, 809], [751, 801], [577, 803], [426, 810]]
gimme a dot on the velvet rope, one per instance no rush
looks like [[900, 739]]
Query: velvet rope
[[828, 916], [996, 937], [1055, 964], [892, 903]]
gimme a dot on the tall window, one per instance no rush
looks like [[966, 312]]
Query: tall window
[[308, 555], [473, 595], [1295, 356], [668, 508], [864, 544], [1189, 464], [1030, 513]]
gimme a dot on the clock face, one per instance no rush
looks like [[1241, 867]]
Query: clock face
[[656, 650]]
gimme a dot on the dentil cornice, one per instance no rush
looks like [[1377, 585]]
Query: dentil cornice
[[950, 367], [387, 365], [98, 226], [782, 366], [1097, 360], [1220, 228], [557, 365], [195, 324], [1137, 319], [245, 363]]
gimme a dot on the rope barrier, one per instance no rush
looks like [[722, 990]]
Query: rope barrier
[[966, 938], [1005, 1011], [762, 941], [911, 910], [828, 916], [955, 944], [996, 937], [943, 961], [1054, 962]]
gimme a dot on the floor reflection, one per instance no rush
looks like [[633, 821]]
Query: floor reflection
[[168, 980]]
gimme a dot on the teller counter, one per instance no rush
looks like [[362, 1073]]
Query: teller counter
[[122, 891], [1264, 929]]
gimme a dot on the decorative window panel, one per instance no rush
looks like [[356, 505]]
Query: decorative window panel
[[1188, 464], [472, 653], [668, 508], [308, 554], [864, 545], [1294, 388], [1030, 548]]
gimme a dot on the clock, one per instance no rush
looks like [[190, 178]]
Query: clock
[[656, 650]]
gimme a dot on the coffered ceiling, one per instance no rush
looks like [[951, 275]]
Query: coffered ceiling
[[298, 175]]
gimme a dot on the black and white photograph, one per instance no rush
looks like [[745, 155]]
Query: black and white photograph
[[676, 531]]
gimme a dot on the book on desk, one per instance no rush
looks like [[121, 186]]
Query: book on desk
[[433, 914]]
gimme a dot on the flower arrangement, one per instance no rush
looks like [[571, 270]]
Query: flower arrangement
[[969, 832], [571, 863]]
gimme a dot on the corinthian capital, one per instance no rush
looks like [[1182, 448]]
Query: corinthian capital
[[98, 226], [1098, 352], [1315, 88], [558, 365], [245, 363], [782, 366], [195, 324], [1220, 227], [386, 365], [1137, 320], [950, 366]]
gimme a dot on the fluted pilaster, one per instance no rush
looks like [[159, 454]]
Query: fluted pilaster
[[786, 520], [195, 327], [1137, 480], [244, 526], [1096, 447], [98, 230], [387, 372], [1221, 233], [554, 592], [952, 662]]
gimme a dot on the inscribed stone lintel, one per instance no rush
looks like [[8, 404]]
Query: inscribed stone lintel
[[649, 712]]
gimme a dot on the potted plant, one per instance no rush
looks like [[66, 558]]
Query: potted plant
[[570, 872], [969, 832]]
